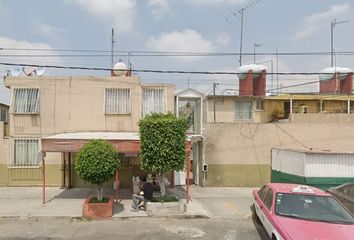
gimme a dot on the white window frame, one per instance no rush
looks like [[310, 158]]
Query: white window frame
[[145, 112], [251, 110], [15, 103], [26, 154], [121, 110]]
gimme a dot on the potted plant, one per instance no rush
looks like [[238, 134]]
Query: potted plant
[[277, 114], [96, 163]]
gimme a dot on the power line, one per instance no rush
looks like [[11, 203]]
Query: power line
[[150, 70], [159, 53]]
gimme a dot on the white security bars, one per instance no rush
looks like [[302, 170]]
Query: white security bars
[[153, 100], [243, 109], [117, 101], [4, 116], [25, 100], [25, 153]]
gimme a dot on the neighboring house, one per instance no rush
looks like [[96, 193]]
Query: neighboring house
[[59, 114], [239, 132]]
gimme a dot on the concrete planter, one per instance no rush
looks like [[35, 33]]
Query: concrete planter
[[97, 210], [166, 208]]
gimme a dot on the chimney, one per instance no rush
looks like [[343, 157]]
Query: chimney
[[252, 80], [336, 80]]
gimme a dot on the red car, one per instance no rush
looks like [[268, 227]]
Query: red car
[[297, 212]]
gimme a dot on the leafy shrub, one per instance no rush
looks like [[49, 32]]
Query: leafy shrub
[[96, 163]]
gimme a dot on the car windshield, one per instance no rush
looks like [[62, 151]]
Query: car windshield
[[312, 208]]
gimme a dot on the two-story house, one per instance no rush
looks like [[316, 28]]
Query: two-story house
[[57, 115]]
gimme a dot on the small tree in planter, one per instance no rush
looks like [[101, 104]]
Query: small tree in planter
[[162, 144], [96, 163]]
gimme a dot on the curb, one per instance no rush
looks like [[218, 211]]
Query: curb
[[80, 218]]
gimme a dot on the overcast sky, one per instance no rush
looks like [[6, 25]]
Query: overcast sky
[[206, 26]]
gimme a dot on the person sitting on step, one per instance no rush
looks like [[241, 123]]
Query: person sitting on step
[[145, 195]]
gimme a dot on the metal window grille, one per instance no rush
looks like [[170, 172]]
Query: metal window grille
[[4, 115], [243, 109], [260, 105], [153, 100], [117, 101], [25, 153], [25, 100]]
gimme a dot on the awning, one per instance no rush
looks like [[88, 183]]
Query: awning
[[125, 142]]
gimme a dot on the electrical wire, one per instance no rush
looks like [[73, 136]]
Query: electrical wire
[[150, 70], [136, 53]]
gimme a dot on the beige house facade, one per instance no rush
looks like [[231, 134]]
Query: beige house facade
[[43, 107], [241, 131]]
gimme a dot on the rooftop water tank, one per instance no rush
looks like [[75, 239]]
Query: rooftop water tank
[[120, 69]]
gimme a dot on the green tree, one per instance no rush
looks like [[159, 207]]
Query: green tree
[[96, 163], [163, 139]]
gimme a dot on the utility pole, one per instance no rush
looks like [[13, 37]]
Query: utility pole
[[333, 24], [214, 95], [241, 36]]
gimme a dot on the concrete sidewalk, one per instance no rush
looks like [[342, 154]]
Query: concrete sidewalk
[[26, 203]]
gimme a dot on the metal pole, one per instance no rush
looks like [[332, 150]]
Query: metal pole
[[188, 170], [276, 53], [112, 49], [43, 180], [271, 66], [254, 53], [332, 26], [117, 186], [214, 87], [241, 36], [255, 45]]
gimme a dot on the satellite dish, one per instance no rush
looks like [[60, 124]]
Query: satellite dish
[[30, 72], [16, 72], [39, 71]]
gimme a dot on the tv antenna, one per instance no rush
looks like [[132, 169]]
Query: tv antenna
[[240, 16]]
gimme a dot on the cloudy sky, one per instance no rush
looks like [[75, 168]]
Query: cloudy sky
[[197, 26]]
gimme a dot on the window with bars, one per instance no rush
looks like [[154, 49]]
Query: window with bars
[[260, 105], [243, 109], [4, 115], [26, 153], [117, 101], [153, 100], [25, 100]]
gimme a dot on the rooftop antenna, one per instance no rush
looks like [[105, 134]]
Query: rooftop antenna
[[112, 49], [241, 13], [333, 24]]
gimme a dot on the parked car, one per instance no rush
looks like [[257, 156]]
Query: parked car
[[345, 194], [291, 211]]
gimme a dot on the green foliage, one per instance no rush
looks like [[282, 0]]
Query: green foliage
[[96, 200], [163, 139], [163, 199], [97, 162]]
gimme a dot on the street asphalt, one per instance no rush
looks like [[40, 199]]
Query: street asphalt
[[146, 228]]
